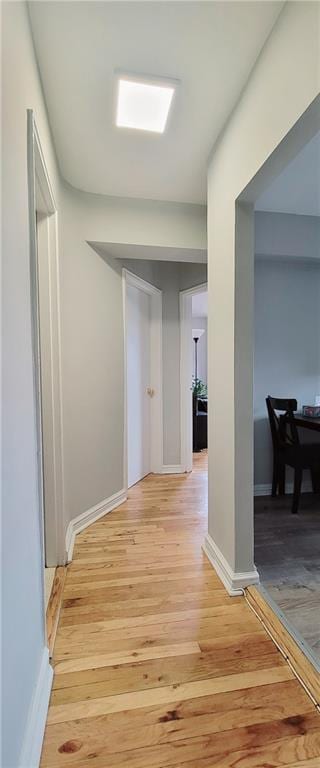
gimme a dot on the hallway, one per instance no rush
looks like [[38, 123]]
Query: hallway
[[155, 665]]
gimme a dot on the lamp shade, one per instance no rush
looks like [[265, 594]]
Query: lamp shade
[[197, 332]]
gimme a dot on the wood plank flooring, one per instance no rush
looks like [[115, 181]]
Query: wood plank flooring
[[54, 606], [299, 662], [155, 665]]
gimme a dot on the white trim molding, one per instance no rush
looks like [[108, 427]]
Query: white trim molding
[[90, 516], [265, 489], [32, 743], [234, 583], [172, 469], [142, 285], [45, 271]]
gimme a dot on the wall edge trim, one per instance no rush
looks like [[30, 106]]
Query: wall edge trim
[[37, 716], [77, 524], [264, 489], [172, 469], [234, 582]]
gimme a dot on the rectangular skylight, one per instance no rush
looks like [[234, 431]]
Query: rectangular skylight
[[142, 104]]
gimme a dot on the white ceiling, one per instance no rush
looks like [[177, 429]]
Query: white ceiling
[[297, 189], [200, 305], [210, 46]]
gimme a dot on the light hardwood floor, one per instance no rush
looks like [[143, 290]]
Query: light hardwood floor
[[54, 606], [155, 665], [49, 574]]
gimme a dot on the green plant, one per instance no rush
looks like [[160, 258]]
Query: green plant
[[199, 388]]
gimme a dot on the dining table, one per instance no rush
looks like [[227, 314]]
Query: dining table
[[307, 422]]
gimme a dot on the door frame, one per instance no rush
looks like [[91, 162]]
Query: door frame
[[41, 200], [185, 305], [156, 410]]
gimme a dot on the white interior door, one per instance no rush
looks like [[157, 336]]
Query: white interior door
[[138, 319]]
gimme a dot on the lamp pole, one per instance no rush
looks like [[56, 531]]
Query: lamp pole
[[196, 339], [195, 403]]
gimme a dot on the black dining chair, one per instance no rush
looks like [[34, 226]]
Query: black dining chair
[[289, 451]]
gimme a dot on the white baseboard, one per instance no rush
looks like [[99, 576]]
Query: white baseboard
[[172, 469], [265, 488], [234, 583], [32, 743], [90, 516]]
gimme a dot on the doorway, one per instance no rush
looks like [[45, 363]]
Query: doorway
[[44, 278], [188, 373], [270, 245], [287, 368], [143, 378]]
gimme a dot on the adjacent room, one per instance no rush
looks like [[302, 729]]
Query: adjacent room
[[287, 369], [200, 372]]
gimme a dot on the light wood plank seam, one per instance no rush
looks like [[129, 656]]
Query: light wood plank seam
[[165, 695], [140, 654], [54, 607]]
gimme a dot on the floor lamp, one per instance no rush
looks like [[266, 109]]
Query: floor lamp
[[195, 397], [196, 334]]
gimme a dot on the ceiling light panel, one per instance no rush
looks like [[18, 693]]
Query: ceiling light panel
[[144, 105]]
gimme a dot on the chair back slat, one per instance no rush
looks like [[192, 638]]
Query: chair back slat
[[283, 427]]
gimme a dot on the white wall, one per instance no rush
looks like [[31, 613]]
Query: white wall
[[92, 367], [287, 345], [283, 84], [201, 322], [287, 235], [169, 282], [141, 222], [23, 612]]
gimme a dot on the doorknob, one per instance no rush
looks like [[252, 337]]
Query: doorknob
[[150, 391]]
